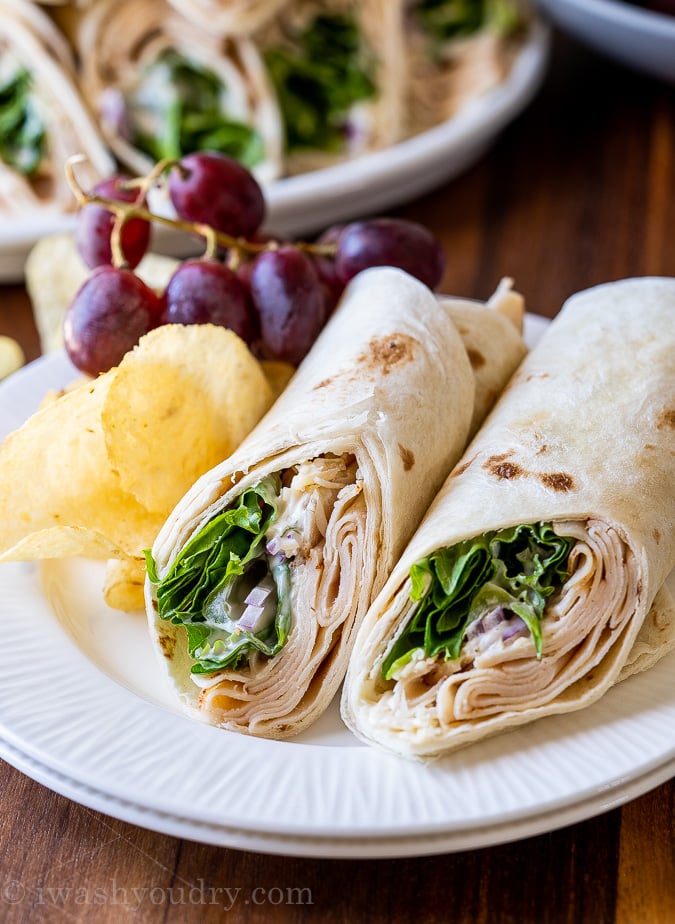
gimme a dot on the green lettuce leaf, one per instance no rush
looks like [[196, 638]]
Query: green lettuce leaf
[[518, 568], [187, 115], [444, 20], [23, 138], [319, 82], [197, 590]]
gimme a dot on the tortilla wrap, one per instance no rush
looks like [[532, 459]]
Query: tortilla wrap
[[336, 68], [146, 66], [229, 17], [48, 121], [389, 371], [455, 55], [583, 439]]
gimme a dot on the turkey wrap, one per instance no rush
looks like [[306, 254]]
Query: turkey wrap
[[263, 572], [536, 579], [162, 87], [43, 118], [336, 66], [455, 53], [229, 17]]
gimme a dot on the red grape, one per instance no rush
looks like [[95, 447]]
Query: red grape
[[289, 299], [326, 266], [108, 316], [390, 242], [95, 223], [218, 191], [207, 292]]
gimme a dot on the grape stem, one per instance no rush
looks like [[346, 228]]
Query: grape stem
[[123, 211]]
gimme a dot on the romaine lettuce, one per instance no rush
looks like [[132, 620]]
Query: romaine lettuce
[[444, 20], [178, 109], [208, 573], [318, 83], [22, 130], [517, 568]]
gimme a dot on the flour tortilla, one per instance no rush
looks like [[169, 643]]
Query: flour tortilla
[[29, 38], [443, 77], [390, 383], [229, 17], [584, 436], [117, 39]]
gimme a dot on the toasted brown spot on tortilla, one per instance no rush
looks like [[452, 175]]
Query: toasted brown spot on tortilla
[[476, 358], [502, 469], [656, 533], [387, 352], [323, 383], [500, 457], [407, 457], [537, 375], [462, 467], [168, 645], [557, 481], [542, 448], [666, 419]]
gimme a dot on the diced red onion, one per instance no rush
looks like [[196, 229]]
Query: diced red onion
[[489, 621], [495, 616], [250, 617], [113, 111], [258, 595], [515, 627], [475, 629]]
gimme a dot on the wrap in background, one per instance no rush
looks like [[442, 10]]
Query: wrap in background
[[336, 66], [162, 86], [536, 579], [43, 119], [263, 572], [455, 53], [230, 17]]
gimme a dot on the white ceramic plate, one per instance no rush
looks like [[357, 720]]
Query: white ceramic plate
[[638, 37], [310, 202], [84, 710]]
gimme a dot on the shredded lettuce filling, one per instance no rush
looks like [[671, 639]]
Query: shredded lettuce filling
[[318, 82], [179, 108], [23, 136], [444, 20], [204, 589], [516, 569]]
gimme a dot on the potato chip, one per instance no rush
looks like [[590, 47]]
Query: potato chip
[[55, 393], [54, 272], [278, 374], [11, 356], [60, 495], [123, 584], [181, 401], [96, 471]]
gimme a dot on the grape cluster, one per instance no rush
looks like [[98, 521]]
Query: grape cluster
[[275, 295]]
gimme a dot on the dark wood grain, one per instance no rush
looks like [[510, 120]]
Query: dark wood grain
[[577, 191]]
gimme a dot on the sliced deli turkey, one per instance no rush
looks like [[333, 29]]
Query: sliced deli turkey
[[535, 581], [262, 574]]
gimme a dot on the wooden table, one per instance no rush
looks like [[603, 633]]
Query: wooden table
[[577, 191]]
